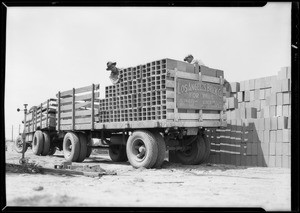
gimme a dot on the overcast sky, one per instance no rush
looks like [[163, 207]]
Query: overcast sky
[[58, 48]]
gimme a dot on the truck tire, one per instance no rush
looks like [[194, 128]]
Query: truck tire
[[161, 154], [38, 142], [207, 148], [18, 145], [83, 147], [142, 149], [46, 144], [52, 150], [89, 152], [194, 155], [71, 147], [117, 153]]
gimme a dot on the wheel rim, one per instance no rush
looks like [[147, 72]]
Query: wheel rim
[[35, 141], [188, 152], [68, 146], [139, 150]]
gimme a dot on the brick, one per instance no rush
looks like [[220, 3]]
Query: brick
[[267, 92], [286, 135], [255, 137], [260, 161], [260, 136], [262, 93], [278, 162], [247, 88], [257, 104], [249, 148], [266, 111], [272, 149], [242, 86], [272, 161], [279, 135], [262, 103], [240, 96], [251, 112], [279, 99], [251, 84], [235, 86], [257, 84], [285, 163], [285, 85], [286, 98], [274, 123], [254, 148], [278, 149], [266, 136], [284, 73], [265, 149], [267, 123], [282, 122], [247, 96], [285, 110], [273, 136], [232, 103], [252, 95], [254, 160], [285, 149], [273, 99], [273, 111], [268, 81], [256, 94], [279, 110], [261, 123]]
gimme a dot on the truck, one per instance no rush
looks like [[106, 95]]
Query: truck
[[158, 107]]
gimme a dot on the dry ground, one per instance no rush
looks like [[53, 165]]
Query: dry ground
[[174, 185]]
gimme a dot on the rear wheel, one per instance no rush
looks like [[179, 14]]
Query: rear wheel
[[161, 145], [117, 153], [193, 153], [46, 144], [83, 147], [38, 142], [71, 147], [18, 145], [142, 149], [89, 152]]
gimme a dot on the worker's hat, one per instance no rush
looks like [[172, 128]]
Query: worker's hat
[[188, 56], [109, 64]]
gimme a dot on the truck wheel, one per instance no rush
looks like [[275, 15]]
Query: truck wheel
[[83, 147], [18, 145], [161, 154], [142, 149], [46, 144], [194, 154], [71, 147], [117, 153], [38, 142], [207, 148], [89, 151]]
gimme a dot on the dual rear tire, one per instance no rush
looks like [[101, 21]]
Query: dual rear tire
[[41, 143], [75, 147]]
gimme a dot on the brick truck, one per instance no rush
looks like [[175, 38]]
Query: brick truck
[[160, 106]]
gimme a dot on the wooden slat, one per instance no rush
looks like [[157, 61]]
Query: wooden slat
[[69, 93], [78, 120], [210, 116], [183, 116], [185, 75], [77, 106], [78, 113], [210, 79], [170, 105], [170, 94], [86, 97]]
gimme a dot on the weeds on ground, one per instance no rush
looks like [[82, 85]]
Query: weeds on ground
[[24, 168]]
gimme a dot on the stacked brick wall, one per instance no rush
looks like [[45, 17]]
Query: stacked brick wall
[[258, 131]]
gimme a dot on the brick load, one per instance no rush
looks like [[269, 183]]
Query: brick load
[[258, 131]]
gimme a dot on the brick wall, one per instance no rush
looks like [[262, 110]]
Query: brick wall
[[258, 131]]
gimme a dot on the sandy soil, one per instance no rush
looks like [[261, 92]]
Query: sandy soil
[[174, 185]]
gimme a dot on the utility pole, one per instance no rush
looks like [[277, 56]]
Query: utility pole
[[19, 129]]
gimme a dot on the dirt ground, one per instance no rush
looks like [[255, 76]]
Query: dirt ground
[[174, 185]]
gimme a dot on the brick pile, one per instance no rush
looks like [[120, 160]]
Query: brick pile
[[258, 131]]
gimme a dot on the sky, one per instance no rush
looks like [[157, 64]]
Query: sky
[[51, 49]]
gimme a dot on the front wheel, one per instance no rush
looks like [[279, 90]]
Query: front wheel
[[142, 149], [18, 145]]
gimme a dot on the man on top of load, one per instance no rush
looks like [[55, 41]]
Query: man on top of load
[[114, 75]]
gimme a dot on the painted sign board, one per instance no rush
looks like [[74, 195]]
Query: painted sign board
[[193, 94]]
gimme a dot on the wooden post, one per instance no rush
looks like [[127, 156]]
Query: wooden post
[[12, 132], [73, 109], [35, 113], [93, 113], [58, 113], [175, 97]]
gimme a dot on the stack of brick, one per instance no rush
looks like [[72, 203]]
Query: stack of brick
[[259, 123]]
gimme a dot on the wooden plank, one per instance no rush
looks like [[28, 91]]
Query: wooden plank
[[170, 94], [77, 106], [79, 120], [170, 84], [93, 112], [210, 79], [170, 105], [86, 97], [69, 93], [185, 75], [59, 112], [183, 116], [209, 116], [73, 109], [78, 113]]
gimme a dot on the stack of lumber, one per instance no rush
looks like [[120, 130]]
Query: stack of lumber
[[258, 131]]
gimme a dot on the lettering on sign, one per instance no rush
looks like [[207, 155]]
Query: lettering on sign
[[192, 94]]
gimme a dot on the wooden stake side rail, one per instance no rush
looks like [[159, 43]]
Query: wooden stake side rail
[[79, 106]]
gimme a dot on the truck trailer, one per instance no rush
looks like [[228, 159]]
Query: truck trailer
[[164, 105]]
